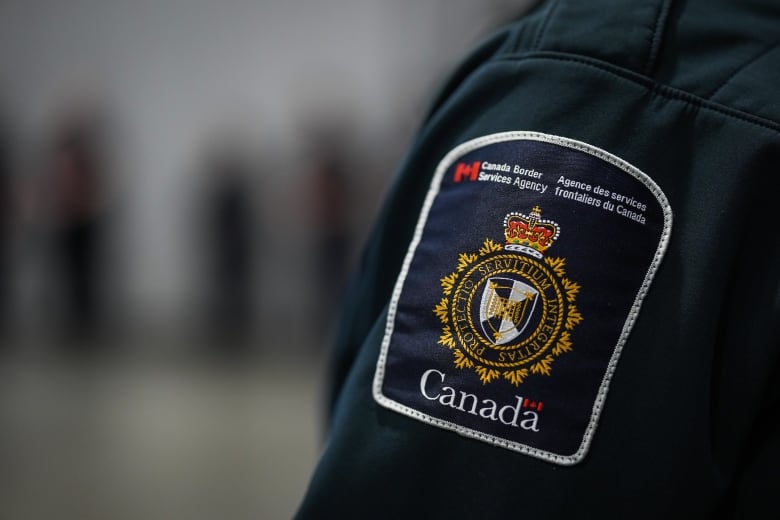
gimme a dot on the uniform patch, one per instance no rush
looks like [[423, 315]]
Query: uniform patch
[[528, 266]]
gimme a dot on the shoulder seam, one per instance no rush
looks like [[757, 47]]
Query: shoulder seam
[[742, 67], [545, 23], [633, 77], [658, 31]]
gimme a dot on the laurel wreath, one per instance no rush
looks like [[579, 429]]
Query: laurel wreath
[[515, 376]]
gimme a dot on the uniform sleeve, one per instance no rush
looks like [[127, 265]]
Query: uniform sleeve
[[756, 488]]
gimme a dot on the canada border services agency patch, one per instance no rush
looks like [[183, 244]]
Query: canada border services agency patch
[[526, 272]]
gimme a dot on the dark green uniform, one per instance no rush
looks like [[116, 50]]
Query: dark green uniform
[[569, 305]]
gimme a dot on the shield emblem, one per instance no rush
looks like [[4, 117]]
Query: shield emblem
[[506, 309]]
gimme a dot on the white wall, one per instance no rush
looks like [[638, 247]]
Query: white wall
[[173, 72]]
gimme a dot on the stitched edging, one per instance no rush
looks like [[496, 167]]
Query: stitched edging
[[449, 159]]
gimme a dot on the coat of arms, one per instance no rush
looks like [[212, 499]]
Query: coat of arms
[[508, 310]]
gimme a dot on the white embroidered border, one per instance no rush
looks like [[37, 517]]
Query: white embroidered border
[[449, 159]]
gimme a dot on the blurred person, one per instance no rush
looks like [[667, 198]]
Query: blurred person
[[75, 186], [568, 306], [6, 214], [329, 217], [230, 237]]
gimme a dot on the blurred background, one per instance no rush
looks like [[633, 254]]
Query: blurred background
[[184, 186]]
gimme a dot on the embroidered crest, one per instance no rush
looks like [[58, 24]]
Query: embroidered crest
[[528, 268], [508, 311]]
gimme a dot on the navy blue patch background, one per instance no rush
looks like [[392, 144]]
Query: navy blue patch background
[[607, 254]]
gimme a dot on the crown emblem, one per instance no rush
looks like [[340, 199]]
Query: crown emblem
[[529, 233]]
